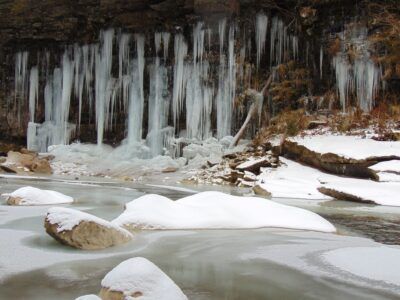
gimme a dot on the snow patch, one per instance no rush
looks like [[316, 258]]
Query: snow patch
[[215, 210], [293, 180]]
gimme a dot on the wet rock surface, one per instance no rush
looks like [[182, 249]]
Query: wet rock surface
[[380, 230]]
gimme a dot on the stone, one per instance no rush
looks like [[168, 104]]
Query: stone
[[29, 160], [260, 191], [254, 165], [343, 196], [169, 170], [14, 201], [83, 231]]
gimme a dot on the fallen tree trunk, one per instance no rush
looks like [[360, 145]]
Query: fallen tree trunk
[[258, 99]]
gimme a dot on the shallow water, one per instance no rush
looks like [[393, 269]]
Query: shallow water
[[208, 264]]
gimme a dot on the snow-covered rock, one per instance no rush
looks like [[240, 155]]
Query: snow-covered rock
[[215, 210], [84, 231], [33, 196], [139, 278], [353, 147], [88, 297], [359, 190]]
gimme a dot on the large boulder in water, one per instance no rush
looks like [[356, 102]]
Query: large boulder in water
[[139, 278], [83, 231]]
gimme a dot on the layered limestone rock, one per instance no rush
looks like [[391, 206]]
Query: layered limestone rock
[[332, 163]]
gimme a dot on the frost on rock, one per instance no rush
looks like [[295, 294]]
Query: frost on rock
[[215, 210], [139, 278], [33, 196]]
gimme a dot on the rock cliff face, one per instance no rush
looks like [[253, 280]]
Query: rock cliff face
[[42, 25]]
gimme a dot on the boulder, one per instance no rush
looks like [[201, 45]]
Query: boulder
[[260, 191], [169, 170], [30, 196], [83, 231], [139, 278], [28, 161], [340, 195]]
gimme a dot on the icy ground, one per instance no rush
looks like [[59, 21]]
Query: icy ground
[[206, 264]]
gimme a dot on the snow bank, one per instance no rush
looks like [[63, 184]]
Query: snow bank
[[66, 219], [293, 180], [349, 146], [382, 193], [138, 276], [387, 166], [213, 210], [387, 170], [373, 263], [33, 196]]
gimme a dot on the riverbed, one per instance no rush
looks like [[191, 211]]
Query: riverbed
[[272, 263]]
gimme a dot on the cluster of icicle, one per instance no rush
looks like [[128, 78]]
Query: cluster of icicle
[[362, 76], [85, 76]]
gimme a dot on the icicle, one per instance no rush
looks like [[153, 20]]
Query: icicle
[[179, 78], [221, 30], [198, 42], [366, 77], [321, 59], [103, 77], [21, 73], [261, 35], [123, 60], [136, 94], [226, 89], [33, 92], [279, 41], [165, 37], [67, 83], [157, 42], [343, 78], [158, 108]]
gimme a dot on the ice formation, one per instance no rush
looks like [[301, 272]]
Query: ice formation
[[129, 75], [361, 76]]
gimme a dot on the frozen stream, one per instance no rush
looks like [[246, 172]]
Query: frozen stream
[[208, 264]]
